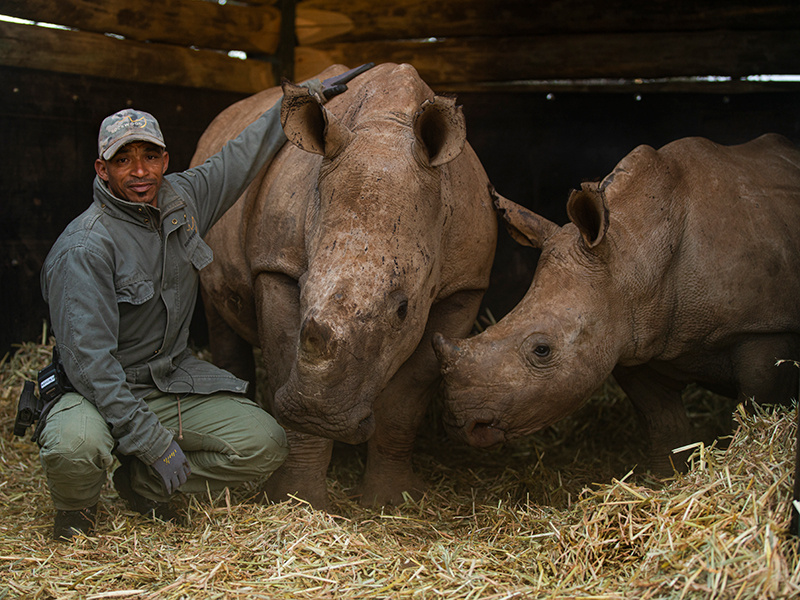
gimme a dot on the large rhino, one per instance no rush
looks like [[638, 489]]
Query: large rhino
[[682, 265], [372, 230]]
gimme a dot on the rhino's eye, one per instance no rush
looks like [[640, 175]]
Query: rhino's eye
[[397, 309], [402, 310], [539, 351]]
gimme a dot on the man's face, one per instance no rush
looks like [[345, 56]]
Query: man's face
[[135, 172]]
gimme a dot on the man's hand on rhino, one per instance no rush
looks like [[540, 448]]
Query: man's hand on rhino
[[322, 92], [327, 89]]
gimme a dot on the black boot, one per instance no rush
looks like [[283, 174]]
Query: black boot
[[135, 501], [69, 523]]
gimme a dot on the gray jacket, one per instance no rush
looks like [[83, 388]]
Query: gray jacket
[[121, 282]]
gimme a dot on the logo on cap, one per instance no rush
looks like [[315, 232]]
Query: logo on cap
[[128, 121]]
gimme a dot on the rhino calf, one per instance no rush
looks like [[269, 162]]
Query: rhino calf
[[682, 265]]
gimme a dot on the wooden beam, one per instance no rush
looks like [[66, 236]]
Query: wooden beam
[[284, 63], [255, 28], [103, 56], [182, 22], [366, 20], [451, 63], [628, 56]]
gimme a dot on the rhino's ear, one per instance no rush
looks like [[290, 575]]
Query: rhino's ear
[[525, 226], [587, 209], [309, 125], [440, 131]]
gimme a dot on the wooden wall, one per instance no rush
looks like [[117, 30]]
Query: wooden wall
[[456, 45], [622, 68]]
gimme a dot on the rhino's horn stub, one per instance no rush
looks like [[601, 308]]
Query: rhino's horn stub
[[446, 351], [525, 226], [317, 339]]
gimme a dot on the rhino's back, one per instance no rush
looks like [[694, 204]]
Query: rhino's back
[[741, 235], [227, 281], [742, 202], [269, 227]]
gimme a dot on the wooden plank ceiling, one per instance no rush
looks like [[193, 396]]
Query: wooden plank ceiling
[[457, 45]]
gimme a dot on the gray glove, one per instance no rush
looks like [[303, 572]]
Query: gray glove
[[172, 467]]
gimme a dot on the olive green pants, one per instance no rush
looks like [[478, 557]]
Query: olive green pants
[[227, 440]]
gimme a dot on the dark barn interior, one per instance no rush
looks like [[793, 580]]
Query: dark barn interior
[[554, 92]]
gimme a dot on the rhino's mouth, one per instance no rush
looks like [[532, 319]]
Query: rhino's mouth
[[357, 435], [484, 434], [481, 431], [351, 427]]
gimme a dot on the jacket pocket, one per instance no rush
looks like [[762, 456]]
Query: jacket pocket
[[135, 292], [199, 253]]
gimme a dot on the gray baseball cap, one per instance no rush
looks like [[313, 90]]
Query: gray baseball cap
[[127, 126]]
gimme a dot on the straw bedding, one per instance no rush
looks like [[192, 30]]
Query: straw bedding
[[561, 514]]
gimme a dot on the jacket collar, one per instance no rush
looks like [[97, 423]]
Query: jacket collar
[[168, 202]]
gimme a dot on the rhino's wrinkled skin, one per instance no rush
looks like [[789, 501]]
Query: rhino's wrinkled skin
[[682, 265], [371, 230]]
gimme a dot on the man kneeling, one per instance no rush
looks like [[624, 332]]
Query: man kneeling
[[121, 283]]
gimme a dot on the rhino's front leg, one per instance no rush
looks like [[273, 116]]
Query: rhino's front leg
[[398, 414], [402, 405], [303, 474], [658, 402]]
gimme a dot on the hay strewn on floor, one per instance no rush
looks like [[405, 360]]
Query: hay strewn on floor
[[557, 515]]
